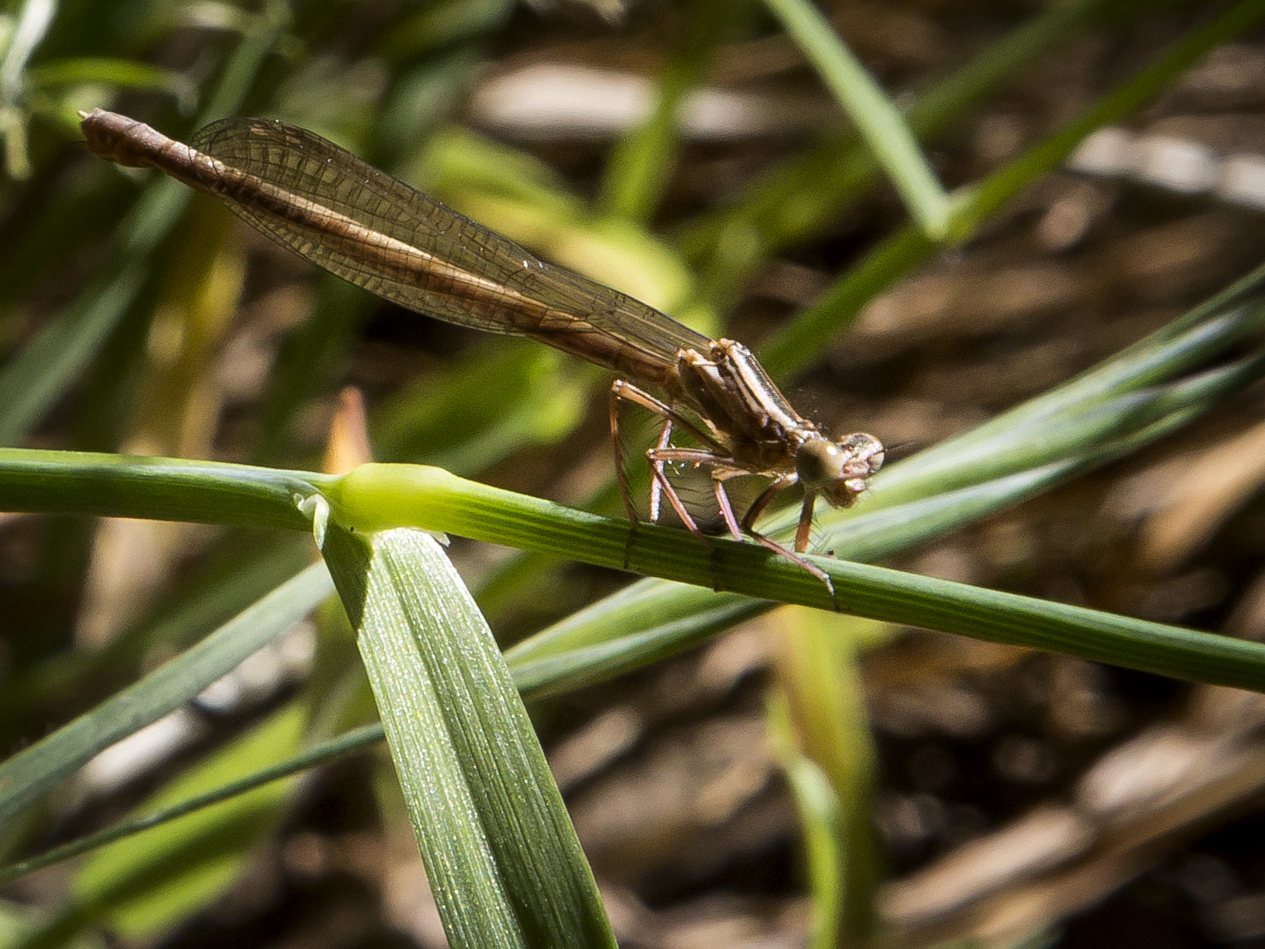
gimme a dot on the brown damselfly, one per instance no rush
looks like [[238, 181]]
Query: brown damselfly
[[361, 224]]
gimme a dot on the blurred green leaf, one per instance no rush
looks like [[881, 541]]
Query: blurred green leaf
[[122, 73], [33, 381], [641, 164], [820, 729], [810, 189]]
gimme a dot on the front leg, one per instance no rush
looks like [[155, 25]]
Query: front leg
[[801, 534]]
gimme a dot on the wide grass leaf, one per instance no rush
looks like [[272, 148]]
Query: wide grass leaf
[[505, 865]]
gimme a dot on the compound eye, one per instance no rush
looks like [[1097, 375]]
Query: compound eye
[[865, 454], [819, 463]]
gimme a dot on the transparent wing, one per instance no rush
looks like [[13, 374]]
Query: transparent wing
[[424, 255]]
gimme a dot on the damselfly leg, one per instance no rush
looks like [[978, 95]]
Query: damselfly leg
[[722, 468]]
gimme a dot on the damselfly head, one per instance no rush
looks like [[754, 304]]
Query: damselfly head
[[838, 470]]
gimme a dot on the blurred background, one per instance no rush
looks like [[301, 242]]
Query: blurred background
[[687, 154]]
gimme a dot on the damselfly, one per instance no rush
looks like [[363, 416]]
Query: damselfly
[[327, 205]]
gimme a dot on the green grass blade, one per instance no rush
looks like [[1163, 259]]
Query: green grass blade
[[822, 823], [55, 359], [504, 863], [163, 489], [809, 332], [323, 753], [798, 199], [820, 731], [223, 587], [36, 770], [641, 164], [140, 886], [438, 501], [124, 73], [880, 122]]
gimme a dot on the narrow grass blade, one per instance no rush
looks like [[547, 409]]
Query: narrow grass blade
[[642, 161], [810, 331], [140, 886], [880, 122], [821, 735], [795, 200], [33, 381], [41, 767], [331, 750], [822, 821]]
